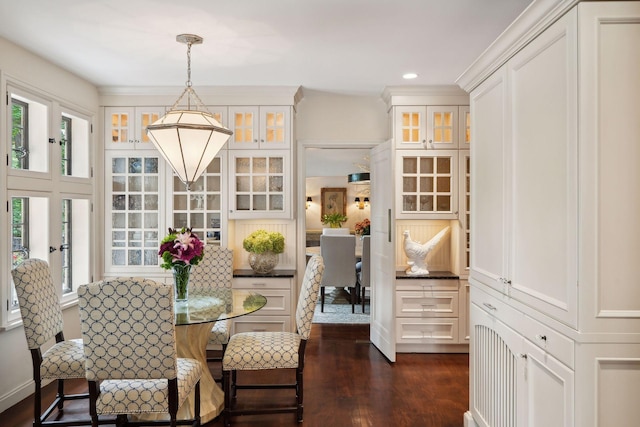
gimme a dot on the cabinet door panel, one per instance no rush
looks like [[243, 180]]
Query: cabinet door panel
[[487, 263], [543, 191]]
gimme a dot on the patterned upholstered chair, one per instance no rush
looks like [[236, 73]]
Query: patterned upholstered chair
[[214, 271], [129, 341], [42, 320], [249, 351]]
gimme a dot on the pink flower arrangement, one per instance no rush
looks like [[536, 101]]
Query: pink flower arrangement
[[180, 247], [363, 227]]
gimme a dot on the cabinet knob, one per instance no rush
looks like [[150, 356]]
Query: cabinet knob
[[522, 355], [489, 306], [541, 337]]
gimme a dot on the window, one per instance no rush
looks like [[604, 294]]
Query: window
[[66, 142], [19, 134], [48, 194]]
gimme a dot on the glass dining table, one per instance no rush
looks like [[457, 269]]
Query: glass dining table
[[194, 319]]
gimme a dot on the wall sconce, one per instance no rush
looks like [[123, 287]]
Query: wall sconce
[[359, 203], [308, 205], [366, 202]]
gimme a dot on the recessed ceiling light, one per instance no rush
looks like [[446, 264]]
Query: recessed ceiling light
[[409, 76]]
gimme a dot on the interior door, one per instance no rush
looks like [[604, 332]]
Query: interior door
[[382, 330]]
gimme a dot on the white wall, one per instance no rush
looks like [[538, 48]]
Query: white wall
[[21, 66]]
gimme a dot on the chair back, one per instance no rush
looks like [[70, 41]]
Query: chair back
[[339, 255], [38, 300], [309, 295], [365, 271], [128, 330], [215, 270]]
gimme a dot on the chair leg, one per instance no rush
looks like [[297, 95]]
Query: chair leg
[[354, 297], [322, 299], [363, 291], [299, 393], [226, 386], [37, 403]]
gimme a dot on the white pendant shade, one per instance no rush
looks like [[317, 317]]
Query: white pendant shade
[[188, 140]]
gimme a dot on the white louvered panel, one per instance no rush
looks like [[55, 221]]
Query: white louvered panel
[[495, 371]]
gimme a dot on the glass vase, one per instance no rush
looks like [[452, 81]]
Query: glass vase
[[181, 281]]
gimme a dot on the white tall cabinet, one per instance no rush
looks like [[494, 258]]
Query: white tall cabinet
[[555, 219]]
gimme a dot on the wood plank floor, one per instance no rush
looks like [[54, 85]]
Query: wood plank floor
[[347, 383]]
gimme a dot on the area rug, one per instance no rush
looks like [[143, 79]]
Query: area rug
[[337, 309]]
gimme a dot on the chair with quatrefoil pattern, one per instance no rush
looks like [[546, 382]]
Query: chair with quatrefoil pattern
[[214, 271], [129, 341], [273, 350], [42, 320]]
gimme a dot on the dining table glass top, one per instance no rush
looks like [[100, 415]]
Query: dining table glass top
[[217, 304]]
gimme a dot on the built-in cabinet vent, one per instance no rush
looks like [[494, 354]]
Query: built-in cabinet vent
[[494, 379]]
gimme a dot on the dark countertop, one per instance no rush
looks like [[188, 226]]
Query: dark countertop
[[432, 275], [274, 273]]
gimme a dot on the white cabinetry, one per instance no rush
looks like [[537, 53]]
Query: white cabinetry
[[260, 127], [427, 184], [279, 289], [555, 219], [126, 127], [428, 316], [431, 127], [260, 184]]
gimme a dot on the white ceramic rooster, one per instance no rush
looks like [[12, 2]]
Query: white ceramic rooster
[[417, 252]]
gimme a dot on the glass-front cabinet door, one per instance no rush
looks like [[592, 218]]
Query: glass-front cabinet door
[[133, 188], [261, 184], [126, 127], [442, 127], [427, 184], [410, 126], [202, 207]]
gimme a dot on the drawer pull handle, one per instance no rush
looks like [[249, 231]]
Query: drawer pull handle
[[259, 330], [489, 306], [541, 337], [259, 284], [522, 355]]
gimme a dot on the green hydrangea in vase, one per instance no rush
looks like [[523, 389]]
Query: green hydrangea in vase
[[263, 247], [179, 250]]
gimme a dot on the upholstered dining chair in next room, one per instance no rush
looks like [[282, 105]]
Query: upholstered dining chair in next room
[[215, 270], [129, 341], [42, 320], [251, 351], [339, 254]]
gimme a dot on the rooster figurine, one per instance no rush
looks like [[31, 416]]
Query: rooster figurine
[[417, 252]]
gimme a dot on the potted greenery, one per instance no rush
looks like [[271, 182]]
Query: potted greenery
[[263, 247], [334, 220]]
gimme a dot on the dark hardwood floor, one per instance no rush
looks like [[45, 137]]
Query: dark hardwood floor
[[347, 383]]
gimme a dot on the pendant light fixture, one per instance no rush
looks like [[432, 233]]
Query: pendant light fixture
[[188, 139]]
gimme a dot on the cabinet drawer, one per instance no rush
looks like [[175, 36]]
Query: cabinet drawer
[[497, 308], [257, 283], [278, 302], [421, 331], [550, 341], [427, 284], [426, 304], [255, 323]]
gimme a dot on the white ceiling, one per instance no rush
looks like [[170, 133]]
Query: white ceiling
[[341, 46]]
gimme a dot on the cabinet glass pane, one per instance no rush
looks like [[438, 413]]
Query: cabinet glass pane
[[213, 220], [180, 202], [426, 203], [135, 165], [409, 203], [213, 202], [118, 184], [276, 203], [260, 183], [135, 220], [213, 183], [196, 220], [275, 183], [444, 204], [118, 220], [196, 202], [118, 202], [151, 165], [276, 165], [135, 257], [243, 184], [146, 120], [118, 257], [426, 184], [135, 183], [150, 202], [259, 165], [259, 202], [214, 166], [135, 203], [119, 165], [409, 185], [243, 202], [444, 185], [444, 165], [151, 221], [150, 257], [410, 165], [426, 165], [243, 165], [180, 220]]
